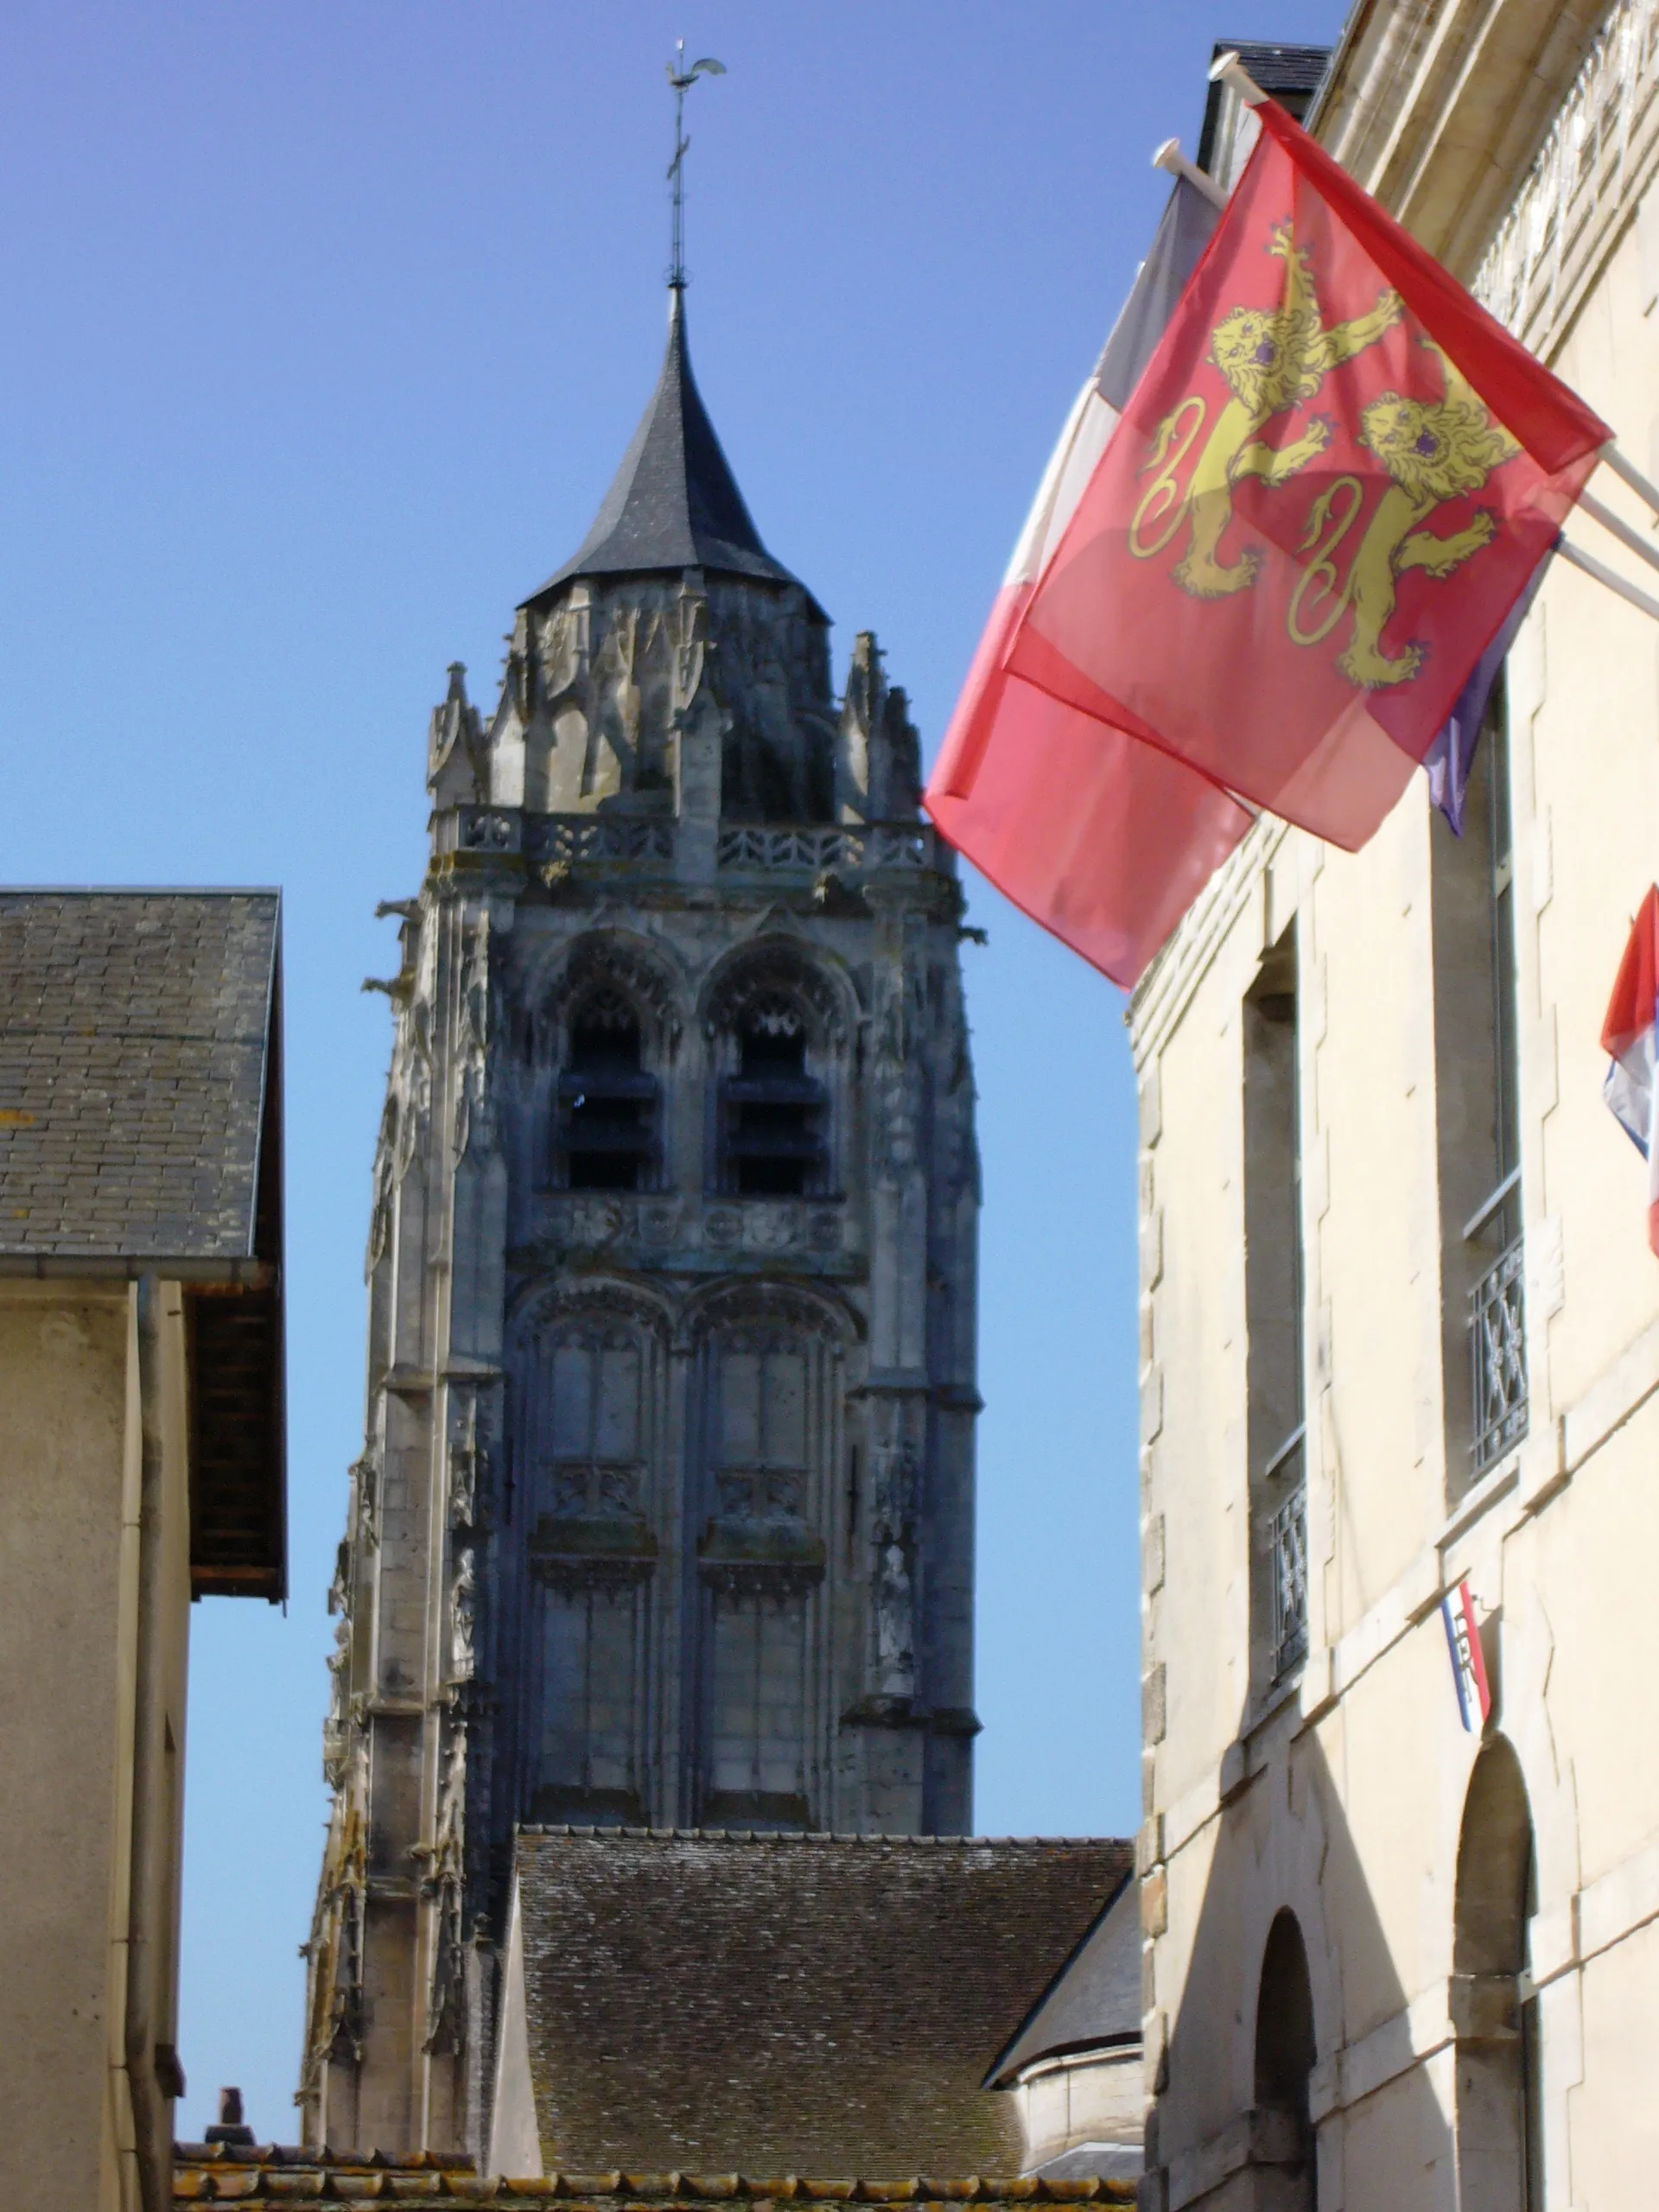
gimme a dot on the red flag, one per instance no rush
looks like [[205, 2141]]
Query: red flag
[[1103, 839], [1329, 487]]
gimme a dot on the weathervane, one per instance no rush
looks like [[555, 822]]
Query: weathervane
[[681, 79]]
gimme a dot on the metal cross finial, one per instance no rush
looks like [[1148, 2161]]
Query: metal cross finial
[[681, 79]]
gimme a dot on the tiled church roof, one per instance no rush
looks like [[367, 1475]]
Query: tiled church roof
[[273, 2174], [783, 2001]]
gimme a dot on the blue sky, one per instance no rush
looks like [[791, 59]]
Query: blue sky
[[327, 323]]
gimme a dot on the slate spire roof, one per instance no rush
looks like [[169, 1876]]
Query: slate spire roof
[[674, 503]]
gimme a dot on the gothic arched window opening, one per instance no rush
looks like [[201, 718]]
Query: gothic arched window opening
[[771, 1109], [760, 1473], [593, 1551], [607, 1101]]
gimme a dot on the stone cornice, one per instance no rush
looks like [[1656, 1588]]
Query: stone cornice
[[1600, 153], [1161, 997], [1439, 107]]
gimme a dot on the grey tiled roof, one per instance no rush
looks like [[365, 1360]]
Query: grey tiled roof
[[134, 1028], [789, 2004]]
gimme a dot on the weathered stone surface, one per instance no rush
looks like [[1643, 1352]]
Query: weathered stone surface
[[664, 1514]]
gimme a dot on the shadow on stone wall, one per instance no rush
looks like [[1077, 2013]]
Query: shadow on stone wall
[[1289, 1966]]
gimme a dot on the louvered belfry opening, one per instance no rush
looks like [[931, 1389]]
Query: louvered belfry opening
[[772, 1110], [608, 1100]]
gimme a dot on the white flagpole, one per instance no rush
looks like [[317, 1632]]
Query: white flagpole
[[1644, 548], [1169, 156], [1604, 575], [1629, 473]]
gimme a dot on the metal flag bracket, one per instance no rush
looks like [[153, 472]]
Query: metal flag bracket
[[1578, 559], [1228, 69], [1169, 158], [1626, 533]]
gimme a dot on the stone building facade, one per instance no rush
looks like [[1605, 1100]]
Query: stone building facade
[[665, 1515], [1399, 1322]]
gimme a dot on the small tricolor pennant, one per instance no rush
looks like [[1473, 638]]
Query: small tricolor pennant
[[1628, 1035], [1468, 1665]]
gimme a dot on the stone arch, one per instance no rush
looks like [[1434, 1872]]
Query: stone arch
[[740, 1304], [615, 960], [535, 1302], [782, 966], [1284, 2150], [602, 1025], [1494, 2015]]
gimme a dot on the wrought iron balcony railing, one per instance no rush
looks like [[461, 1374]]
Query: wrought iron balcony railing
[[1499, 1355], [1286, 1475]]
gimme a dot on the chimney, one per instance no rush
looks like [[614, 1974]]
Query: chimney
[[230, 2130]]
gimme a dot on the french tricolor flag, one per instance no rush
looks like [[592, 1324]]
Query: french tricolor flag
[[1628, 1035], [1468, 1660], [1103, 839]]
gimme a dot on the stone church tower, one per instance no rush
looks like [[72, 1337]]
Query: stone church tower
[[664, 1514]]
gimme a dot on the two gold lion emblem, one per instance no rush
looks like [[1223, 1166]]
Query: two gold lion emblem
[[1275, 360]]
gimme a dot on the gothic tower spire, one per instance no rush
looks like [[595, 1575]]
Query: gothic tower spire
[[674, 503], [665, 1510]]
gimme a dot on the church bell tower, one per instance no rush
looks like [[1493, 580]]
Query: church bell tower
[[664, 1512]]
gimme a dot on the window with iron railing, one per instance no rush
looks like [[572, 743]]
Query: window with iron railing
[[1274, 1307], [1286, 1482], [1477, 1094], [1497, 1346]]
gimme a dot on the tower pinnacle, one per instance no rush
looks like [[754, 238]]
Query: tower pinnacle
[[681, 79]]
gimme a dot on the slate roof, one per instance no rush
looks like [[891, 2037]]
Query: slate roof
[[1291, 75], [277, 2174], [135, 1034], [674, 503], [781, 2002]]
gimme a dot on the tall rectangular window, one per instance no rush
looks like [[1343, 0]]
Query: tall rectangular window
[[1478, 1120], [1274, 1302]]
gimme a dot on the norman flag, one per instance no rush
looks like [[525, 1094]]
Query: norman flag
[[1330, 486], [1629, 1035], [1104, 839]]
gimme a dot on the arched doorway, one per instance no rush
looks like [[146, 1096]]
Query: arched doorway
[[1287, 2167], [1493, 2013]]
